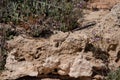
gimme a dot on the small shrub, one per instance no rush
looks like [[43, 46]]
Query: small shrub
[[63, 12], [39, 31], [114, 75]]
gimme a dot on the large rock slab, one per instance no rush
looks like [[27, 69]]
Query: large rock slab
[[75, 54]]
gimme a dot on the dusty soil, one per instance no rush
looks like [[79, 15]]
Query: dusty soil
[[87, 53]]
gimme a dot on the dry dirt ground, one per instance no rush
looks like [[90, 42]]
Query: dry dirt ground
[[87, 53]]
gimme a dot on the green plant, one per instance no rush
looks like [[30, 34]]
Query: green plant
[[114, 75], [67, 13], [63, 12], [16, 11]]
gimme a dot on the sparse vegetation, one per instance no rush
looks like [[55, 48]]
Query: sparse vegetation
[[64, 12], [114, 75], [3, 51]]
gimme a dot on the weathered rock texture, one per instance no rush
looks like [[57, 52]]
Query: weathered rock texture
[[102, 4], [87, 53]]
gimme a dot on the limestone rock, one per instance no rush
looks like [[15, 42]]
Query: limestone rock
[[98, 64], [49, 79], [80, 67], [102, 4], [99, 77], [72, 54], [50, 64]]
